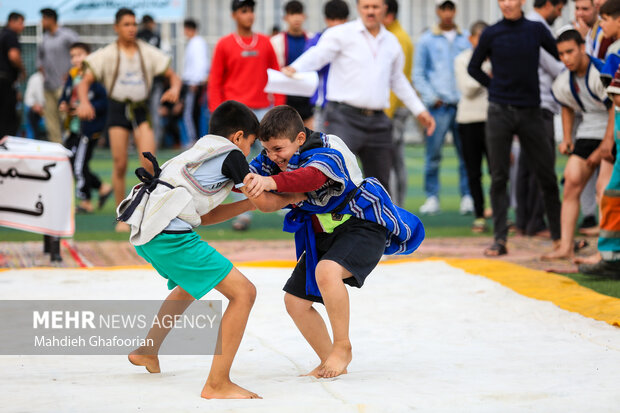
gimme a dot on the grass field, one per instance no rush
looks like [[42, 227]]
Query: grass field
[[100, 225]]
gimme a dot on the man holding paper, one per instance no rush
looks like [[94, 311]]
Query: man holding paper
[[366, 62]]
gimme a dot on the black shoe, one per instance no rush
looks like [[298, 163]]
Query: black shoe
[[607, 269], [588, 222]]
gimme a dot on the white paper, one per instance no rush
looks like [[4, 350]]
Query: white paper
[[301, 84]]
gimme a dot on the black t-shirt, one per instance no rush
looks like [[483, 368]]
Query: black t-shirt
[[8, 41], [235, 167], [150, 37]]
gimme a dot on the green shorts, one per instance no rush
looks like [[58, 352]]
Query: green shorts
[[187, 261]]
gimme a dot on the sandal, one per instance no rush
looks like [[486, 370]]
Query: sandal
[[479, 226], [580, 244], [496, 250], [242, 223], [104, 197]]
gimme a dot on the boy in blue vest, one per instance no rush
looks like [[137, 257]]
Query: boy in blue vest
[[163, 210], [341, 231]]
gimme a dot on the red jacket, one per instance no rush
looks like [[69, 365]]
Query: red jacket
[[239, 72]]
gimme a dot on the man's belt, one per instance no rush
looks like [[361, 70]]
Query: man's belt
[[361, 111]]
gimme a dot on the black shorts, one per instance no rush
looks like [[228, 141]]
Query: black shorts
[[357, 245], [119, 114], [301, 105], [584, 147]]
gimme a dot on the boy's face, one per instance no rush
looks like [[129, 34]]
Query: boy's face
[[295, 22], [511, 9], [244, 17], [281, 150], [585, 11], [446, 15], [571, 54], [610, 25], [244, 143], [77, 56], [127, 28], [473, 39]]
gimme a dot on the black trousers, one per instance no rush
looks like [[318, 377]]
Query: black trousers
[[505, 121], [473, 143], [369, 136], [85, 180], [9, 121], [530, 206]]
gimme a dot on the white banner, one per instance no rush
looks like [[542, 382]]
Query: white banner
[[36, 187]]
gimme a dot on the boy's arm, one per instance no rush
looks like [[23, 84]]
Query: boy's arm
[[607, 145], [270, 202], [85, 110], [172, 94], [302, 180], [215, 89], [225, 212], [568, 120]]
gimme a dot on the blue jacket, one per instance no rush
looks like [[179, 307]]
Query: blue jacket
[[433, 69], [98, 98]]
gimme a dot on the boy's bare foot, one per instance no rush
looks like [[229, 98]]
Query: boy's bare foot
[[122, 227], [149, 361], [558, 254], [315, 372], [592, 259], [337, 362], [227, 390]]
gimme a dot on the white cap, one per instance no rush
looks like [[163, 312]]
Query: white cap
[[441, 2]]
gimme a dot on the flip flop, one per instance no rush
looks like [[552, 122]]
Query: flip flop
[[496, 250], [580, 244], [103, 198]]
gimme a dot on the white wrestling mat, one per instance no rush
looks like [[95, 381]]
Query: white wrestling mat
[[426, 337]]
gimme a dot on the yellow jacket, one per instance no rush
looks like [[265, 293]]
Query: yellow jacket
[[407, 45]]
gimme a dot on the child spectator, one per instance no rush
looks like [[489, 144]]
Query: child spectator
[[34, 99], [82, 135]]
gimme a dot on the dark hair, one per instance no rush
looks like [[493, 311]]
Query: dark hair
[[478, 27], [232, 116], [122, 12], [541, 3], [80, 45], [50, 13], [336, 10], [15, 16], [611, 8], [147, 19], [294, 7], [392, 7], [238, 4], [448, 4], [568, 35], [190, 24], [281, 122]]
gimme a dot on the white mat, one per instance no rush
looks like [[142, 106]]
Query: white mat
[[426, 337]]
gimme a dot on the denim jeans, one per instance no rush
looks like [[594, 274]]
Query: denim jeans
[[445, 118]]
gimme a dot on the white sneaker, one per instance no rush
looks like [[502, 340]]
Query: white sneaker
[[431, 206], [467, 205]]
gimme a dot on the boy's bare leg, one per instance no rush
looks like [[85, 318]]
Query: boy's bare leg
[[119, 139], [576, 175], [145, 142], [312, 327], [329, 276], [241, 294], [175, 304]]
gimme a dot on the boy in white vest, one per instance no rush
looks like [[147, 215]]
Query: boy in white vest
[[580, 91], [163, 210]]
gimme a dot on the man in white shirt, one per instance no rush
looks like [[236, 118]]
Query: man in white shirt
[[366, 62], [195, 72]]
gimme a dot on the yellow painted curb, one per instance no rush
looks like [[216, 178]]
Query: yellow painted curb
[[560, 290]]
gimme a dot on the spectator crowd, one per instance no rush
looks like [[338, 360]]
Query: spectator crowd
[[496, 88]]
